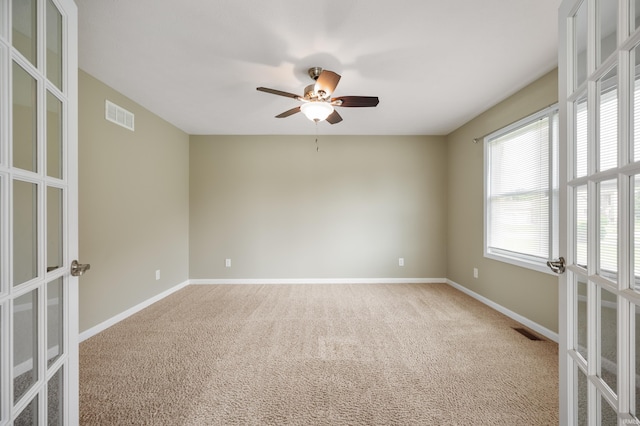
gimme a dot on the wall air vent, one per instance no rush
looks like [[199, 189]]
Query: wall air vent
[[119, 115], [526, 333]]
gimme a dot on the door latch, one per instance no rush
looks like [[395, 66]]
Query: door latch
[[77, 269], [557, 266]]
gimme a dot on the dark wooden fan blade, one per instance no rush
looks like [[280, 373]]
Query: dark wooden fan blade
[[327, 82], [288, 113], [356, 101], [334, 117], [278, 92]]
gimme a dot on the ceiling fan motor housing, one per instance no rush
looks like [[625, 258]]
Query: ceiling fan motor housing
[[310, 92]]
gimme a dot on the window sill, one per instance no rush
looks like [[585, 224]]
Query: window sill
[[523, 263]]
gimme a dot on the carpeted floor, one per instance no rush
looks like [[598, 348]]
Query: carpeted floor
[[420, 354]]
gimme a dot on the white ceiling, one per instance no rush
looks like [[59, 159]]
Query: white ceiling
[[434, 64]]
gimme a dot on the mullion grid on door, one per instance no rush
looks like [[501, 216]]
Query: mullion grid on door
[[38, 177], [627, 299], [597, 386]]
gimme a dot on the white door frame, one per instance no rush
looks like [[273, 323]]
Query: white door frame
[[72, 329]]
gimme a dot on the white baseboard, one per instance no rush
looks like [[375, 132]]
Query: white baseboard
[[319, 281], [116, 319], [517, 317]]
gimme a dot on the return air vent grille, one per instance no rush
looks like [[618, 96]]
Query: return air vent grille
[[119, 115], [526, 333]]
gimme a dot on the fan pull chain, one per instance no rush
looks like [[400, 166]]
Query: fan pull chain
[[317, 146]]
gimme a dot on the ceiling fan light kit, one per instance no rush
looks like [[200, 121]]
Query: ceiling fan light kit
[[317, 104], [316, 111]]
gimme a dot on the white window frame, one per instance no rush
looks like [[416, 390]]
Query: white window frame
[[516, 258]]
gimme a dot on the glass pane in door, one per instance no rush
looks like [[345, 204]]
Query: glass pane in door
[[636, 233], [2, 350], [581, 222], [635, 102], [24, 28], [635, 373], [3, 237], [608, 416], [25, 346], [25, 231], [608, 26], [54, 136], [25, 120], [54, 228], [54, 403], [581, 395], [580, 321], [635, 14], [581, 131], [608, 136], [29, 416], [55, 321], [608, 225], [580, 46], [609, 339], [54, 44]]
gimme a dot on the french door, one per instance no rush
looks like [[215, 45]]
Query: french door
[[599, 74], [38, 212]]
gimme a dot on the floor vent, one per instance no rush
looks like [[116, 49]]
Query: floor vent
[[526, 333], [119, 115]]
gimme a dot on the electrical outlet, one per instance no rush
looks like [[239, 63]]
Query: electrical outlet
[[227, 263], [401, 261], [157, 274], [475, 272]]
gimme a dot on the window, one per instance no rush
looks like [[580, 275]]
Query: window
[[521, 191]]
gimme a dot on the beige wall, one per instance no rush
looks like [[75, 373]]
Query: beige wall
[[533, 295], [280, 209], [159, 199], [133, 205]]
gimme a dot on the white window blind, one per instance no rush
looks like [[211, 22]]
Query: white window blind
[[608, 144], [608, 190], [636, 120], [521, 204], [582, 126], [608, 236]]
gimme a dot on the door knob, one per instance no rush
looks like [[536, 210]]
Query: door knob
[[557, 266], [77, 269]]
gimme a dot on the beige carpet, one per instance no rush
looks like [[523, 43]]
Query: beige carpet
[[423, 354]]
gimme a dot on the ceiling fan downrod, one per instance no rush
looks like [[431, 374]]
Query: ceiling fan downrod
[[314, 72]]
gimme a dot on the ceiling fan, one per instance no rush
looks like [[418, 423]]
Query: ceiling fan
[[317, 103]]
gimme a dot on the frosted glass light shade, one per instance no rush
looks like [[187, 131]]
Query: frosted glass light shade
[[316, 111]]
